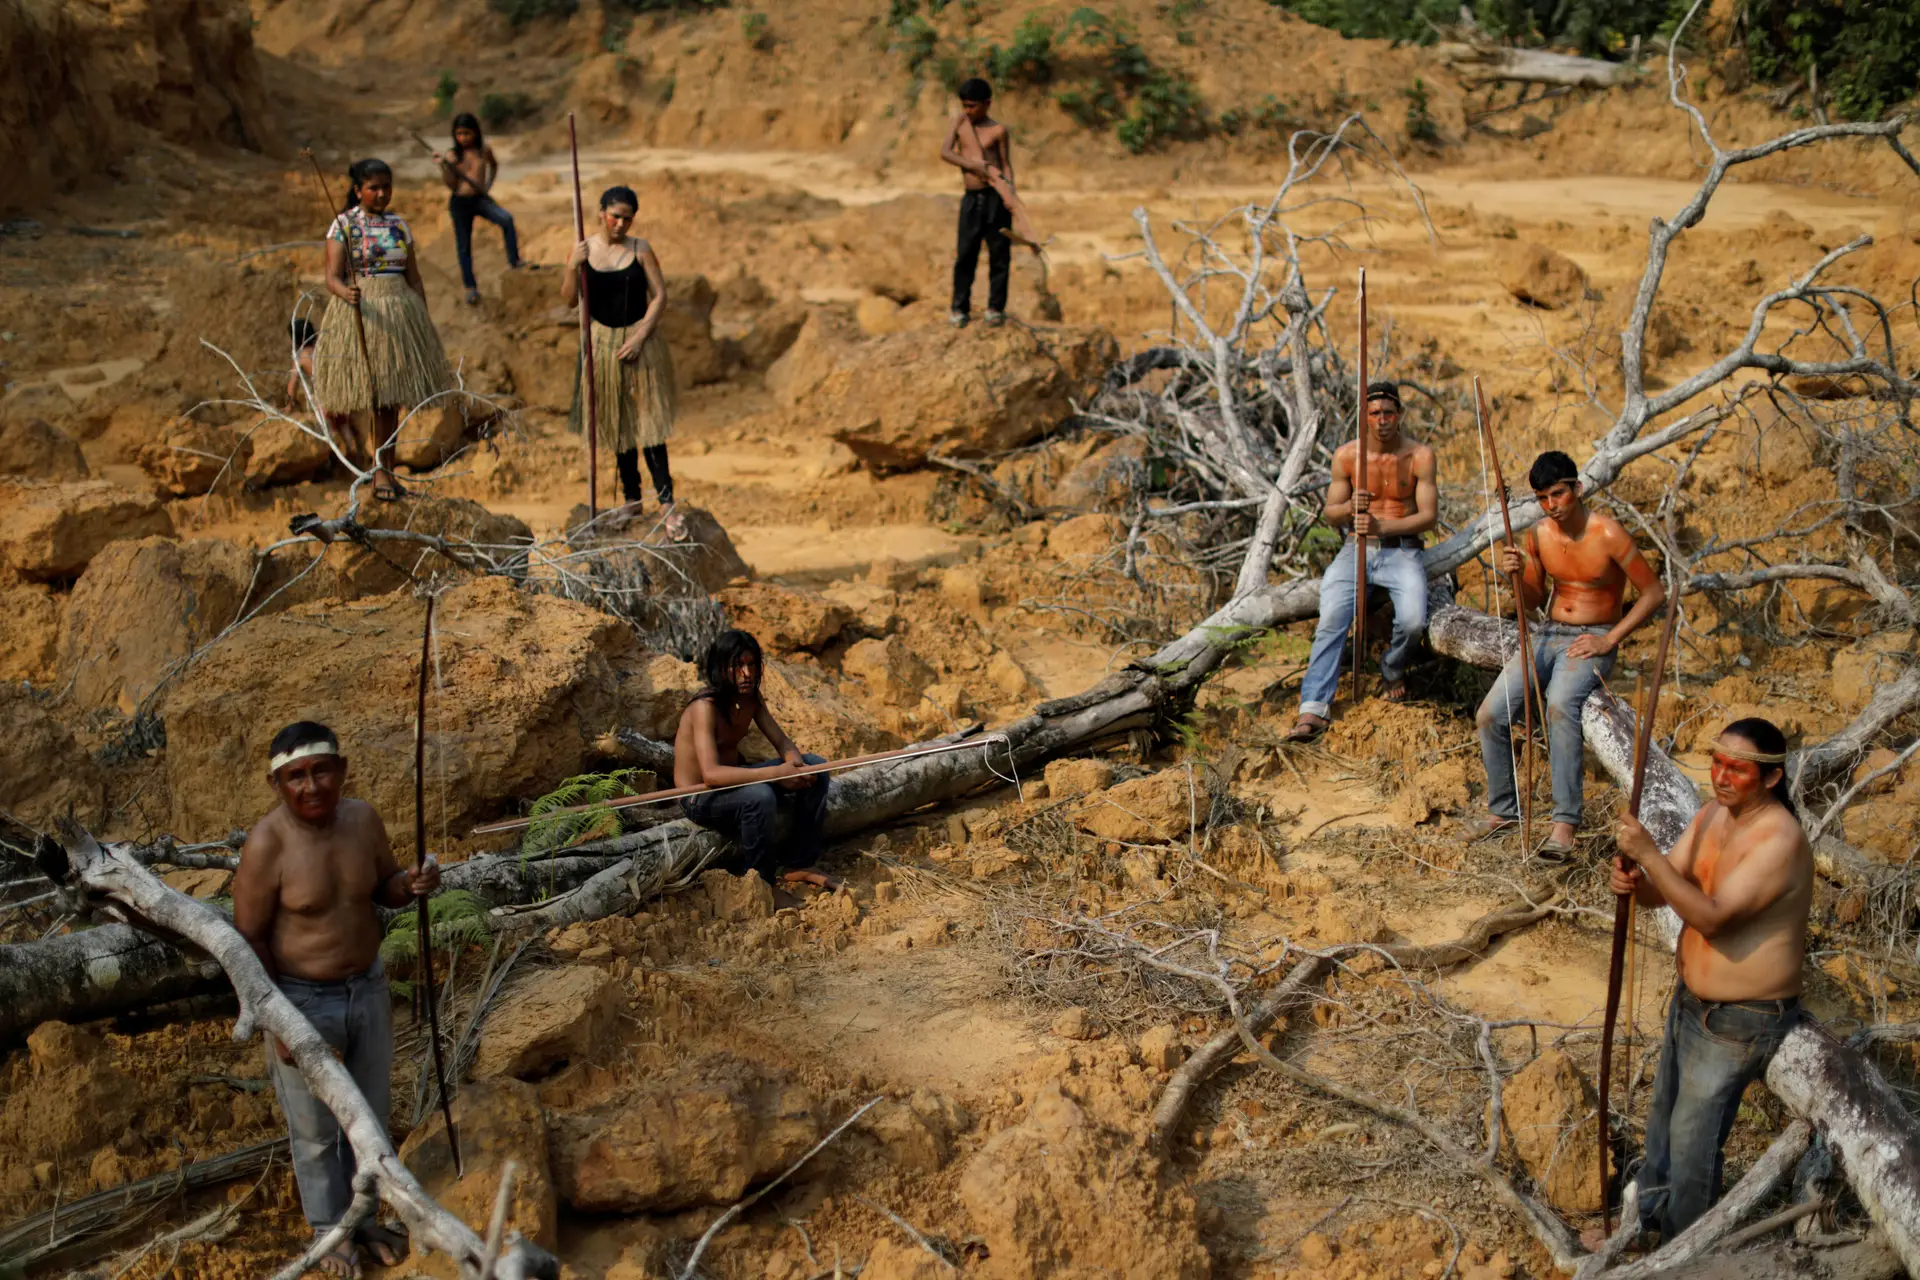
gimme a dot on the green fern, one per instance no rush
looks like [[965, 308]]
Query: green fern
[[454, 919], [552, 829]]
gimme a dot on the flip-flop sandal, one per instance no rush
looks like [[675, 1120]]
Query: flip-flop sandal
[[1554, 851], [1305, 731], [378, 1239], [1489, 828], [388, 490]]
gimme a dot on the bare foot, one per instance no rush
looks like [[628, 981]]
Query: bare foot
[[388, 1247], [343, 1262], [813, 878]]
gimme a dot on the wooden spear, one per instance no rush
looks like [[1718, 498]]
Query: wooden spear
[[420, 902], [1529, 678], [1360, 487], [591, 398], [1623, 908], [334, 214]]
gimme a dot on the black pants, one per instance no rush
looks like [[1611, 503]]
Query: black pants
[[983, 216], [746, 816], [628, 461], [463, 210]]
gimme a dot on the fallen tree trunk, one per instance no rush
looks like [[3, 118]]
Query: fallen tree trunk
[[1478, 65], [1818, 1077], [121, 879]]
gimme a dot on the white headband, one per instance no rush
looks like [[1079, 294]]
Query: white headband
[[301, 753]]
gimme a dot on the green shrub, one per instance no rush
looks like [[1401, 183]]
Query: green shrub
[[498, 110], [1868, 54], [443, 92], [1166, 107], [455, 918], [552, 829], [519, 11], [1420, 123], [754, 27], [1029, 59]]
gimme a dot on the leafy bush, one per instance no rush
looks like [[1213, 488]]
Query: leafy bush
[[1029, 59], [555, 830], [498, 110], [519, 11], [753, 26], [1420, 124], [1166, 107], [454, 919], [1594, 27], [443, 92], [1868, 53]]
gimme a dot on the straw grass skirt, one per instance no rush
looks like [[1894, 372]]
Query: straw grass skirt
[[635, 399], [409, 365]]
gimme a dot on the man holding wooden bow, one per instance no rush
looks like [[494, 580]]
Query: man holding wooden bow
[[1391, 507]]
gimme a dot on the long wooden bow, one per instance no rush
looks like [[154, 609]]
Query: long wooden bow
[[420, 903], [1623, 909], [1529, 678], [590, 395], [1360, 487]]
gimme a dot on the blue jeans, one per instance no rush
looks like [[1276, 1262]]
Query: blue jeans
[[1565, 684], [746, 815], [464, 209], [1712, 1053], [355, 1017], [1403, 572]]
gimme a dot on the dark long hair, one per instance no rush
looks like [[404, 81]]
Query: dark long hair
[[358, 172], [1767, 739], [466, 120], [722, 656]]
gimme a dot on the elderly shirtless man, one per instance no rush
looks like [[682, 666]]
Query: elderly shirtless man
[[1741, 879], [1391, 506], [1582, 561], [303, 897]]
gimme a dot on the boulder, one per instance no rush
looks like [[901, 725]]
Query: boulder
[[1541, 277], [1105, 477], [553, 1017], [687, 325], [34, 448], [526, 683], [435, 434], [189, 458], [961, 392], [1157, 808], [1547, 1108], [827, 334], [878, 316], [689, 555], [1060, 1195], [1071, 779], [891, 671], [1084, 537], [816, 715], [699, 1133], [48, 400], [497, 1120], [50, 531], [783, 619], [31, 638], [141, 607], [44, 771], [1007, 675], [901, 249], [78, 1099], [355, 571], [773, 334], [1075, 1023], [281, 453]]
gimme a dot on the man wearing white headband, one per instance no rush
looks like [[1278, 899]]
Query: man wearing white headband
[[303, 897], [1741, 880]]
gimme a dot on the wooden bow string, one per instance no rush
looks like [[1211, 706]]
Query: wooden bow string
[[1360, 487], [1623, 908], [1529, 678], [349, 241], [591, 398], [420, 903]]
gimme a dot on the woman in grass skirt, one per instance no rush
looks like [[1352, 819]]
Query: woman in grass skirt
[[374, 273], [632, 369]]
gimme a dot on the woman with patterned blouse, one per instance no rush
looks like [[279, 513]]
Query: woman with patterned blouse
[[391, 361]]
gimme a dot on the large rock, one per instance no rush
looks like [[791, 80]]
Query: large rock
[[700, 1134], [34, 448], [785, 620], [1104, 479], [689, 554], [435, 434], [827, 334], [281, 453], [772, 335], [687, 325], [1547, 1108], [30, 640], [891, 671], [358, 571], [1147, 810], [816, 715], [554, 1017], [1540, 277], [1058, 1195], [525, 683], [141, 607], [960, 392], [44, 771], [50, 531], [497, 1120], [190, 458]]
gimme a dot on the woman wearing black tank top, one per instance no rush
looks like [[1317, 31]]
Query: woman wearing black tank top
[[632, 369]]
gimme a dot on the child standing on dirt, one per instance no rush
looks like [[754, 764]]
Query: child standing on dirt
[[982, 149], [469, 170]]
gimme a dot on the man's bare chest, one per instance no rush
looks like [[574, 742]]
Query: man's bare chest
[[324, 877]]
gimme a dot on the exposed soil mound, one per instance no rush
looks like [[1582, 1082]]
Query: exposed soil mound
[[32, 447], [1541, 277], [79, 85], [190, 458], [524, 685], [551, 1017], [964, 392], [31, 637], [44, 770], [497, 1121], [1548, 1111], [50, 532], [1058, 1195], [77, 1100]]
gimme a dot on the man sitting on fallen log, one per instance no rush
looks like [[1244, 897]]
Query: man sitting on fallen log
[[303, 897], [1391, 506], [747, 797], [1590, 559], [1741, 881]]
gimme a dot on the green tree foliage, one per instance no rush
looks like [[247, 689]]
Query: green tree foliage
[[1867, 51], [1594, 27]]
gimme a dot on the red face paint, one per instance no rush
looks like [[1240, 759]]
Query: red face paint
[[1734, 781]]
